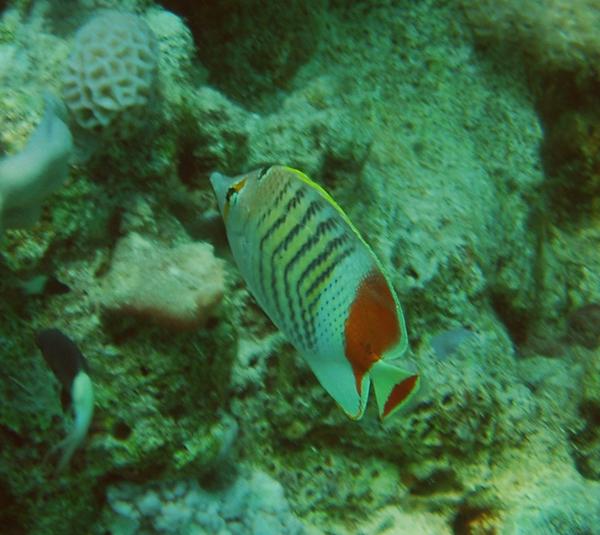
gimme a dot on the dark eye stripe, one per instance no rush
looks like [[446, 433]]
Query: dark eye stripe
[[230, 192], [236, 188]]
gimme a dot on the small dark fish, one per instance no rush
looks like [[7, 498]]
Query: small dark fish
[[62, 356], [70, 367]]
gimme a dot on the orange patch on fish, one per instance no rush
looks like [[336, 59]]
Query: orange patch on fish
[[372, 326], [400, 392]]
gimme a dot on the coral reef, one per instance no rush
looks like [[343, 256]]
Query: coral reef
[[554, 34], [557, 41], [459, 137], [252, 505], [251, 48]]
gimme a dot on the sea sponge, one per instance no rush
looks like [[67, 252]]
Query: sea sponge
[[111, 73]]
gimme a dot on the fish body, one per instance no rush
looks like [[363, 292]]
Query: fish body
[[29, 176], [320, 283], [70, 367]]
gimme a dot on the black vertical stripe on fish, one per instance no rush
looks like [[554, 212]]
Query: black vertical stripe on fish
[[313, 268], [278, 196], [267, 234], [282, 246], [314, 264], [277, 191], [257, 268], [268, 209], [314, 209], [324, 226], [285, 186], [309, 310], [291, 205], [311, 211], [342, 255], [278, 222]]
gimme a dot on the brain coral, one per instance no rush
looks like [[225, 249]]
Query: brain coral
[[111, 73]]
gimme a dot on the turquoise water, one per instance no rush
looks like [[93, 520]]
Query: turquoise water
[[461, 140]]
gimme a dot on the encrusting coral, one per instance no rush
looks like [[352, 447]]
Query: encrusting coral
[[431, 142]]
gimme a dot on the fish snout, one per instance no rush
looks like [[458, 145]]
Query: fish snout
[[221, 184]]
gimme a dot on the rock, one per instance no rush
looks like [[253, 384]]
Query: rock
[[176, 286]]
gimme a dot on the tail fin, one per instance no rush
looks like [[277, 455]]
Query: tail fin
[[394, 387], [83, 407]]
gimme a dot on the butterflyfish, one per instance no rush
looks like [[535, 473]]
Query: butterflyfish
[[314, 275], [70, 367]]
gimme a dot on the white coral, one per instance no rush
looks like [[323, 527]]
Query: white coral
[[111, 73]]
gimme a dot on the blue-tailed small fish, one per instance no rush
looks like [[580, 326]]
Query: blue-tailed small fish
[[320, 283]]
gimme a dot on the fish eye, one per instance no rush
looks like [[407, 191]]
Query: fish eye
[[263, 172]]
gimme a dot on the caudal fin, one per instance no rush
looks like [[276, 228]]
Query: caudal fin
[[83, 407], [394, 387]]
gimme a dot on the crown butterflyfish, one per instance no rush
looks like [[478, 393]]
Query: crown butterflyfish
[[320, 283]]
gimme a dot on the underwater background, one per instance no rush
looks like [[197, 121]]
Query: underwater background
[[461, 137]]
